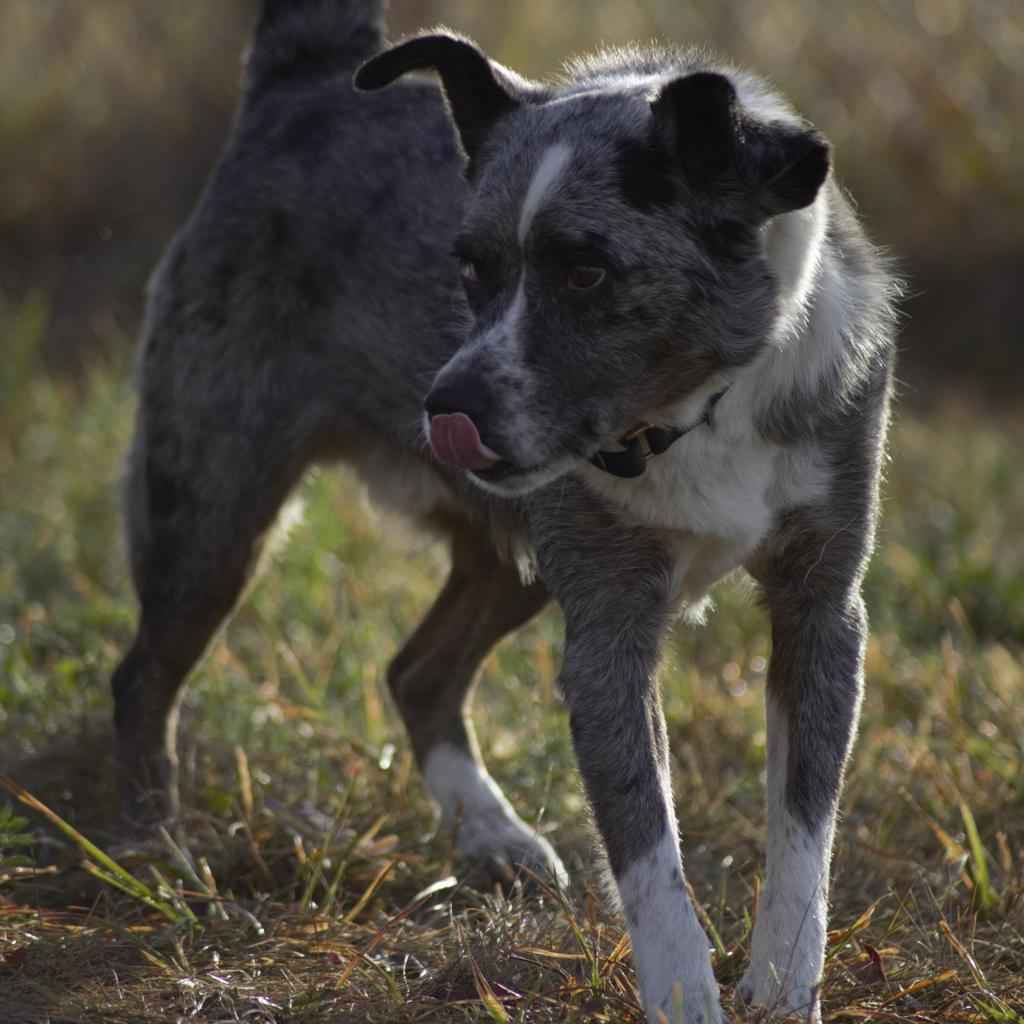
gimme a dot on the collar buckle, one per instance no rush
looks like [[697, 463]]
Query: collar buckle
[[645, 446], [643, 442]]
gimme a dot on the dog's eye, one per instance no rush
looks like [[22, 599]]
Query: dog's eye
[[469, 272], [582, 278]]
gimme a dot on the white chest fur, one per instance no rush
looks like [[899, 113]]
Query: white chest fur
[[715, 493]]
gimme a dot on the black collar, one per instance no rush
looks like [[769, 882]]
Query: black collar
[[644, 443]]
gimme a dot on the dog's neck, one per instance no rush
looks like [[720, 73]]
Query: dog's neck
[[643, 442]]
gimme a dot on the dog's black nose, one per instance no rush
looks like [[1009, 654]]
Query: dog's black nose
[[464, 393]]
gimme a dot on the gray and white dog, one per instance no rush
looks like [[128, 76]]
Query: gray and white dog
[[658, 347]]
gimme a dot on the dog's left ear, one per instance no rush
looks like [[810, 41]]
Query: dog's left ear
[[479, 93], [782, 166]]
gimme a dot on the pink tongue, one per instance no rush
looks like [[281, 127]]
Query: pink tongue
[[455, 441]]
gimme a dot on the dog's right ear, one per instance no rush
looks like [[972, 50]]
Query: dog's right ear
[[476, 97]]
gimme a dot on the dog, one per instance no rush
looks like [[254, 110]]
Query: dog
[[612, 336]]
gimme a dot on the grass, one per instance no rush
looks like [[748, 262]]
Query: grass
[[315, 885]]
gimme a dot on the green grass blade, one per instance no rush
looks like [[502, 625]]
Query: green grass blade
[[986, 896], [110, 870]]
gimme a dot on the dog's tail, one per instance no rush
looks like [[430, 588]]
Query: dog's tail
[[306, 40]]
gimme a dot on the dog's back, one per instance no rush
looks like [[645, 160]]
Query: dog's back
[[310, 209]]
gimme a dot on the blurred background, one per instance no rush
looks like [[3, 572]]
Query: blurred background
[[113, 111]]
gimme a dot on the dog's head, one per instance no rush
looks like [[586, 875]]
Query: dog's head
[[612, 250]]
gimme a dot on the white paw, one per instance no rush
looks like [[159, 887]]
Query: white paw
[[506, 843], [483, 823], [787, 953], [787, 949], [701, 1006], [670, 949], [765, 988]]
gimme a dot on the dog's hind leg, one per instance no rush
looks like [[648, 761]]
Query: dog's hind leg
[[431, 679], [198, 510]]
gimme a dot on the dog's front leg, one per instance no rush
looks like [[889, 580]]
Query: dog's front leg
[[815, 682], [613, 586], [619, 736]]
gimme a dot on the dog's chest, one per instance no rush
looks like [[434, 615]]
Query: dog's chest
[[715, 493]]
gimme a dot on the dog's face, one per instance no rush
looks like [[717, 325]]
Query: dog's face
[[611, 253]]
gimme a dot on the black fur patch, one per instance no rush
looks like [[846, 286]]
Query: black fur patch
[[476, 98], [309, 132], [645, 175], [700, 114], [311, 60], [280, 232], [161, 490], [317, 286], [786, 165], [730, 241]]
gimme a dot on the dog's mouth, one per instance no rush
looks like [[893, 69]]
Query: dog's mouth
[[456, 442], [508, 479], [500, 471], [503, 470]]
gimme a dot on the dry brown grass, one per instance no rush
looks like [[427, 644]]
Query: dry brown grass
[[314, 886]]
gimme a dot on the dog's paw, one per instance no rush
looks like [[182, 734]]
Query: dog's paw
[[678, 1009], [142, 815], [504, 846], [787, 948], [483, 824], [761, 990]]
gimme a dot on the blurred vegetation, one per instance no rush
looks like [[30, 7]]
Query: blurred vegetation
[[112, 113]]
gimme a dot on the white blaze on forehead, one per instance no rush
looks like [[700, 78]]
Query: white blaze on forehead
[[510, 321], [551, 167]]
